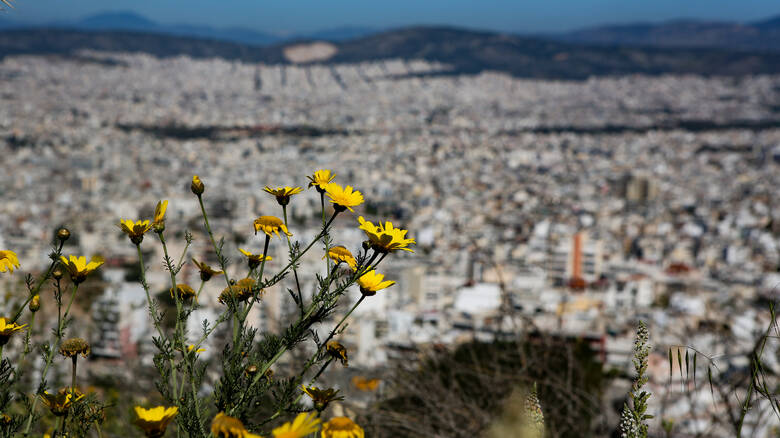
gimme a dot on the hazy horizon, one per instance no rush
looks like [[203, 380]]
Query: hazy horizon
[[309, 16]]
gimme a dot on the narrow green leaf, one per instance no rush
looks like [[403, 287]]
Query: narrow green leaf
[[679, 364], [671, 366], [709, 377], [694, 368], [687, 368]]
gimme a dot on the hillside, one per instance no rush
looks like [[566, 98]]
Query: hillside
[[760, 35], [466, 51]]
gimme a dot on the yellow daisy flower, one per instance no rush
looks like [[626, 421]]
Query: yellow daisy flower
[[338, 351], [270, 224], [342, 254], [159, 216], [343, 197], [321, 397], [341, 427], [59, 403], [8, 261], [364, 384], [154, 421], [134, 230], [320, 179], [8, 328], [385, 238], [283, 194], [206, 272], [192, 347], [197, 186], [79, 268], [304, 424], [254, 260], [371, 282], [224, 426]]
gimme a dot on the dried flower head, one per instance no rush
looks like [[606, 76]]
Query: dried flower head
[[343, 198], [341, 427], [270, 225], [320, 179], [341, 254], [338, 351], [283, 194], [303, 425], [242, 290], [206, 271], [134, 230], [371, 282], [197, 186], [8, 261], [8, 328], [154, 421], [74, 346], [63, 234], [185, 291], [385, 238], [79, 268]]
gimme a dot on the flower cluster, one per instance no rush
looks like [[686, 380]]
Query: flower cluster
[[246, 379]]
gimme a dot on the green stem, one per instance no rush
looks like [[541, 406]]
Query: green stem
[[197, 295], [27, 338], [217, 251], [97, 428], [259, 278], [38, 286], [268, 364], [295, 270], [177, 325], [335, 329], [155, 318], [50, 356], [325, 240]]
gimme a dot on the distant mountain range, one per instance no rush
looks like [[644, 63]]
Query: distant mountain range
[[130, 21], [465, 51], [759, 35], [609, 50]]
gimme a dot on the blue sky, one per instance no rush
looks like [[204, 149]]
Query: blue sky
[[290, 16]]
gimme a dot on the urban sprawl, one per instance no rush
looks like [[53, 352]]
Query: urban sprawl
[[572, 208]]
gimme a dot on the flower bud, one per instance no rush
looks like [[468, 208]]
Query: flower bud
[[35, 304], [197, 186], [63, 234], [57, 274], [251, 370]]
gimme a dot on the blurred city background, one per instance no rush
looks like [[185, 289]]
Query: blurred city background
[[567, 169]]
